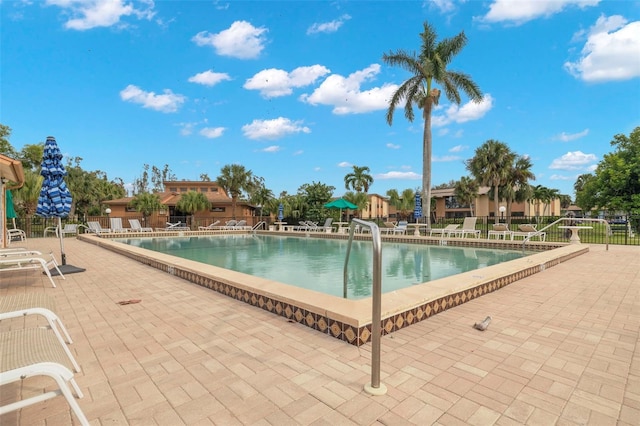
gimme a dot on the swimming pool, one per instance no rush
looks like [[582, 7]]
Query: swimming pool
[[345, 319], [317, 264]]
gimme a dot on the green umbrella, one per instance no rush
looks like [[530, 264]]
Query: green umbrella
[[11, 211], [341, 203]]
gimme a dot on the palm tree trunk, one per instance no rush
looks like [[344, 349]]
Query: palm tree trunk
[[496, 200], [426, 160]]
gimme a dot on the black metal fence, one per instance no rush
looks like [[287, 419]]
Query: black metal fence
[[626, 233]]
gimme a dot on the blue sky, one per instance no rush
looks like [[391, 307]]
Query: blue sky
[[296, 91]]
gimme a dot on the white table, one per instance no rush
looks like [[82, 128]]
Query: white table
[[419, 226], [575, 238], [342, 227], [280, 225]]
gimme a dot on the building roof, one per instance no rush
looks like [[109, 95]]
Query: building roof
[[450, 192]]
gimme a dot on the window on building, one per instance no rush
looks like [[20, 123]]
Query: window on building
[[183, 189], [173, 189]]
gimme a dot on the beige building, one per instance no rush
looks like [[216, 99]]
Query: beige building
[[220, 209], [377, 208], [448, 207]]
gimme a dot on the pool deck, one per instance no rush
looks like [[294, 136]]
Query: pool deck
[[562, 348]]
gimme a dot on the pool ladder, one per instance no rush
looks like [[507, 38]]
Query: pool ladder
[[375, 387]]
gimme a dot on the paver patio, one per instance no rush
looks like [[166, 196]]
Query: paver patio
[[562, 348]]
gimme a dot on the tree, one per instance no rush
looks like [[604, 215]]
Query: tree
[[617, 185], [191, 202], [146, 203], [490, 166], [427, 68], [403, 203], [235, 180], [312, 198], [517, 186], [360, 199], [466, 191], [585, 188], [5, 146], [262, 197], [26, 198], [359, 180]]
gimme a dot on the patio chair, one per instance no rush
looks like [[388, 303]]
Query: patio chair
[[528, 231], [444, 232], [22, 305], [230, 224], [175, 226], [468, 227], [96, 228], [401, 227], [116, 225], [137, 227], [32, 352], [29, 262], [211, 227], [16, 234], [326, 227], [500, 230]]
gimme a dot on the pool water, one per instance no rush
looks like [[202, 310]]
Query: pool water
[[318, 263]]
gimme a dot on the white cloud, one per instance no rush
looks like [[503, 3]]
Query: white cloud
[[467, 112], [273, 129], [274, 82], [445, 158], [298, 152], [568, 137], [344, 164], [561, 177], [398, 175], [167, 102], [88, 14], [392, 146], [458, 148], [241, 40], [209, 78], [272, 148], [328, 27], [345, 96], [212, 132], [575, 160], [610, 52], [444, 6], [521, 11]]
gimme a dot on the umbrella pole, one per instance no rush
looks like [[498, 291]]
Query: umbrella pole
[[64, 256]]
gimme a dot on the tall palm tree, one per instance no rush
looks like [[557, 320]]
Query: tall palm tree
[[466, 191], [26, 198], [490, 166], [191, 202], [517, 186], [235, 179], [359, 180], [427, 68]]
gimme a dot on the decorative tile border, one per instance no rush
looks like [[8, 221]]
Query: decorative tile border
[[319, 320]]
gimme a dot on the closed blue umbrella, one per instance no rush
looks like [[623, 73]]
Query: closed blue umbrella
[[280, 212], [55, 198], [417, 210]]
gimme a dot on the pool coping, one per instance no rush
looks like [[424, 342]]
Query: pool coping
[[348, 320]]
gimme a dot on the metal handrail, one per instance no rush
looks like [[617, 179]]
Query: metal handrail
[[570, 219], [375, 387]]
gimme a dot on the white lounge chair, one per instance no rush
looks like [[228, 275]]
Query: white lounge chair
[[443, 232], [212, 227], [326, 227], [96, 228], [116, 225], [529, 231], [22, 263], [175, 226], [400, 228], [500, 230], [468, 227], [31, 352], [137, 227], [39, 303]]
